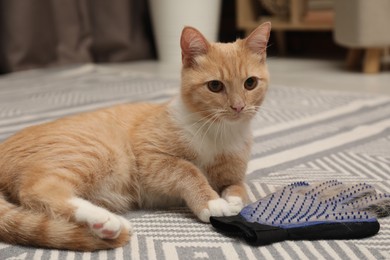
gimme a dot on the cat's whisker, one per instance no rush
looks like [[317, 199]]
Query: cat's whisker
[[208, 129], [212, 118], [251, 111], [217, 135], [200, 112], [258, 111], [202, 119], [213, 112], [201, 127], [267, 108], [261, 110], [223, 130]]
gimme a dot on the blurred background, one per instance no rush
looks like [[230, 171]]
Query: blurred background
[[341, 44]]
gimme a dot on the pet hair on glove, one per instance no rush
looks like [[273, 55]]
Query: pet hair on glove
[[300, 211]]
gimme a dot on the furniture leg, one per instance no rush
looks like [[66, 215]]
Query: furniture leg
[[372, 60], [354, 57]]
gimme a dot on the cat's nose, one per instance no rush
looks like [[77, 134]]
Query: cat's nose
[[238, 108]]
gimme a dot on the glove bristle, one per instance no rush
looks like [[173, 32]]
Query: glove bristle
[[302, 204]]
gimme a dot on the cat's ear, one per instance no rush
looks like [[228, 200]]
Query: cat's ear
[[192, 43], [258, 39]]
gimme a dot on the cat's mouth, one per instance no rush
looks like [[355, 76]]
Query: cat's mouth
[[238, 116]]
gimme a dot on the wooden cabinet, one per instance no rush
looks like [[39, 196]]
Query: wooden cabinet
[[248, 20]]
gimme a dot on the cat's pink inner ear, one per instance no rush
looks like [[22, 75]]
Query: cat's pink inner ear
[[258, 39], [192, 43]]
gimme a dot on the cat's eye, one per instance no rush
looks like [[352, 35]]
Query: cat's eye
[[215, 86], [250, 83]]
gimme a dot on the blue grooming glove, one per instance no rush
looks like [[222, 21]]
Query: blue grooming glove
[[300, 211]]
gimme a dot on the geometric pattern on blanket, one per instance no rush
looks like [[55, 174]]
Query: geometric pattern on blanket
[[300, 135]]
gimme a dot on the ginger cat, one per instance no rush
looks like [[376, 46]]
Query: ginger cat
[[62, 182]]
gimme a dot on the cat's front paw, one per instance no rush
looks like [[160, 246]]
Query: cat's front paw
[[216, 208], [235, 204]]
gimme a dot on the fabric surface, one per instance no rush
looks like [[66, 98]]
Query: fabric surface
[[299, 135]]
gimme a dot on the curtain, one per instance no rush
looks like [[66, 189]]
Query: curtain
[[42, 33]]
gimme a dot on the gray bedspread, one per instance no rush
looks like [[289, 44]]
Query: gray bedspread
[[300, 135]]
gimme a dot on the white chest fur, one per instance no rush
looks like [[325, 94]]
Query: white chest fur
[[208, 137]]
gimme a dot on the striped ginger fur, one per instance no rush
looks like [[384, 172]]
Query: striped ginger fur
[[64, 184]]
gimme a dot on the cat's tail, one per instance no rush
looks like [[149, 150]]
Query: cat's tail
[[23, 227]]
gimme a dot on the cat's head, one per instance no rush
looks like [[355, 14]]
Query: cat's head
[[224, 81]]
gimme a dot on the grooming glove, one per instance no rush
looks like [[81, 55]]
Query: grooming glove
[[303, 211]]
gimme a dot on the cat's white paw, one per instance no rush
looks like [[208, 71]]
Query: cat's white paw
[[216, 208], [102, 223], [235, 204], [126, 224], [105, 225]]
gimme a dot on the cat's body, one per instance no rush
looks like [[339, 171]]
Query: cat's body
[[59, 179]]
